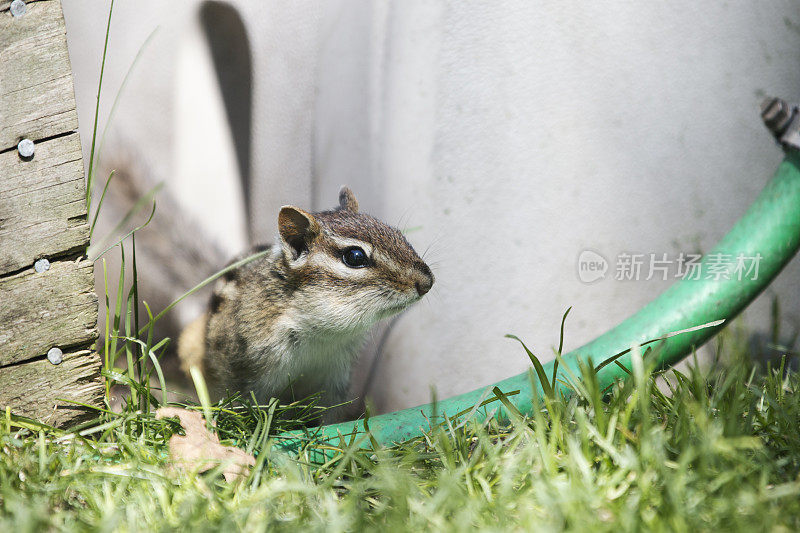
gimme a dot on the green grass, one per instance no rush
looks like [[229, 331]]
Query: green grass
[[719, 450]]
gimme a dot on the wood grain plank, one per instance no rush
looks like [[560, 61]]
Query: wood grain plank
[[42, 204], [36, 389], [41, 310], [43, 214], [37, 99], [6, 4]]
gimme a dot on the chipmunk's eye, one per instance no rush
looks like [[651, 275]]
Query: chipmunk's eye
[[355, 257]]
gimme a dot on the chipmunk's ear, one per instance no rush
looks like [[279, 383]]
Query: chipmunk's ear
[[297, 229], [347, 200]]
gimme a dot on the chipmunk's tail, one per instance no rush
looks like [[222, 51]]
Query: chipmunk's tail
[[192, 345], [173, 255]]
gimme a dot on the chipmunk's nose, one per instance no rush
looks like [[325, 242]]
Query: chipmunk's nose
[[424, 276]]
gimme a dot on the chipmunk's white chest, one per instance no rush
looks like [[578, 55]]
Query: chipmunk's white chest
[[307, 362]]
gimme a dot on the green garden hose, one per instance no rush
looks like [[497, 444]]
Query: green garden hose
[[768, 236]]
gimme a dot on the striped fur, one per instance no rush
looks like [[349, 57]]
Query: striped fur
[[291, 323]]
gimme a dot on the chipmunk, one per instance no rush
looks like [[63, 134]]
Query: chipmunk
[[291, 323]]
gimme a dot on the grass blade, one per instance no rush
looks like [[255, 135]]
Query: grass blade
[[202, 394], [613, 358], [100, 203], [121, 89], [211, 279], [91, 252], [560, 348], [118, 309], [90, 174], [544, 381]]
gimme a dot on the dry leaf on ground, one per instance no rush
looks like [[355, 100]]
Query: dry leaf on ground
[[201, 448]]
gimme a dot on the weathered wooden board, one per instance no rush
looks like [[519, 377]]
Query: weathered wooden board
[[38, 311], [43, 215], [37, 99], [42, 204], [6, 4], [36, 389]]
